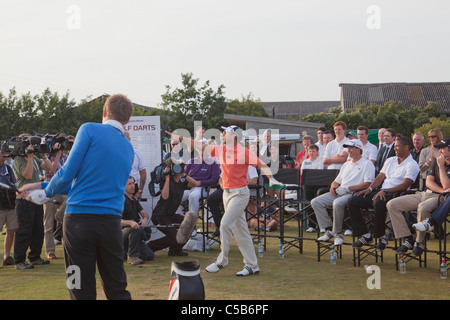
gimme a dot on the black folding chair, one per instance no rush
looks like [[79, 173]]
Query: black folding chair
[[307, 186]]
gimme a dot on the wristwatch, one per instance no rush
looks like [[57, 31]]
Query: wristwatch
[[140, 191], [386, 190]]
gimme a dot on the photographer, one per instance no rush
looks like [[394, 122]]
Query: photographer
[[134, 218], [57, 158], [164, 212], [8, 213], [30, 233]]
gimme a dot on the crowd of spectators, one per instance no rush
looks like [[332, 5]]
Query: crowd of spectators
[[396, 175]]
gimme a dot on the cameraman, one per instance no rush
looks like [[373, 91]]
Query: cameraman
[[30, 233], [8, 213], [164, 212], [57, 159]]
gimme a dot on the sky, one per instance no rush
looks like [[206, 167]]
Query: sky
[[282, 50]]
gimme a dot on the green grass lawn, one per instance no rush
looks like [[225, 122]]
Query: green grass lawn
[[296, 277]]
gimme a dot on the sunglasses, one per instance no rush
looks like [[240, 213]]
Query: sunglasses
[[432, 137]]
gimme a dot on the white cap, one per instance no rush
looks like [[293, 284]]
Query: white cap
[[353, 143]]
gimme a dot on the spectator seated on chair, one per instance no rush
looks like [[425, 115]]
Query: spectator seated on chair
[[437, 181], [205, 172], [354, 175], [397, 175]]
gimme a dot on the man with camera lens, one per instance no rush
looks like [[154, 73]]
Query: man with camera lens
[[164, 213], [57, 158], [30, 233], [8, 215]]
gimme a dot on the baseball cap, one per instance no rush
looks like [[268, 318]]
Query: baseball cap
[[233, 129], [444, 143], [353, 143]]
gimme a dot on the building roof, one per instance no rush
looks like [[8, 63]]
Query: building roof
[[417, 94], [297, 109]]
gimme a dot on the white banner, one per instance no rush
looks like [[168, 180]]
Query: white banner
[[145, 134]]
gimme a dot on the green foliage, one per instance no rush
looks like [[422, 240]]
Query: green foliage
[[192, 103], [246, 106], [391, 115], [443, 124]]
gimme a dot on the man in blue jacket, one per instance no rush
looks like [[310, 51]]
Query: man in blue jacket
[[95, 174]]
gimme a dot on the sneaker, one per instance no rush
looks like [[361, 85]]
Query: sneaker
[[8, 261], [247, 271], [407, 245], [362, 241], [135, 260], [327, 236], [310, 230], [39, 262], [418, 249], [339, 240], [348, 232], [424, 226], [382, 244], [51, 256], [214, 268], [24, 265]]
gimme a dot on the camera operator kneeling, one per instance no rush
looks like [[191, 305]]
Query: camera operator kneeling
[[164, 214]]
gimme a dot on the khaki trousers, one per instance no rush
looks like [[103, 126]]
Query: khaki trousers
[[234, 223], [423, 202], [50, 210]]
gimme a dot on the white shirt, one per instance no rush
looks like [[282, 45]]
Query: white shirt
[[354, 173], [370, 151], [333, 149], [252, 173], [138, 165], [395, 172], [316, 164]]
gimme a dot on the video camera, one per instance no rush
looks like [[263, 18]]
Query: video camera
[[64, 143], [18, 146], [158, 175]]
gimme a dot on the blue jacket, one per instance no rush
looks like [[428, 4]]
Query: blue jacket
[[96, 171]]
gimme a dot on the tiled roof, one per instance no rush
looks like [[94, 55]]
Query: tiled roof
[[418, 94]]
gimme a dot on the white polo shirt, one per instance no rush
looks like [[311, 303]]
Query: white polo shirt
[[334, 148], [354, 173], [316, 164], [395, 172], [370, 151]]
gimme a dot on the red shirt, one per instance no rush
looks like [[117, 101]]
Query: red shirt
[[234, 164]]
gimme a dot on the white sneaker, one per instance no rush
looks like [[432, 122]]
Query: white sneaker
[[310, 229], [339, 240], [213, 268], [247, 271], [424, 226], [348, 232], [327, 236]]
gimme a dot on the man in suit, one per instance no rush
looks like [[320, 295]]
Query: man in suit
[[387, 149]]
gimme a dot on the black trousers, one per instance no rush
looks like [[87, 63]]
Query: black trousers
[[215, 204], [30, 233], [170, 238], [91, 240], [359, 227]]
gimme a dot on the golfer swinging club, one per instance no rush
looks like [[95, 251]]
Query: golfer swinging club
[[234, 160], [94, 176]]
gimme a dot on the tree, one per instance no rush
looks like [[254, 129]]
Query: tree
[[390, 115], [443, 124], [183, 106], [247, 106]]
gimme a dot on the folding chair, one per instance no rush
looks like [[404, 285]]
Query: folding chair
[[443, 252], [367, 250], [311, 181]]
